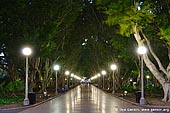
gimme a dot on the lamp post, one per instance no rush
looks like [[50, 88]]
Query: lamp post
[[103, 73], [67, 73], [56, 68], [113, 67], [98, 78], [26, 51], [142, 50], [72, 75]]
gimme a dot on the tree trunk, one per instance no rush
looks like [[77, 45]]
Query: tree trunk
[[32, 75], [168, 68], [47, 74], [12, 72], [152, 67]]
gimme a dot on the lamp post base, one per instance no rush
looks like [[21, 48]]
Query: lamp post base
[[26, 102], [142, 101], [113, 92]]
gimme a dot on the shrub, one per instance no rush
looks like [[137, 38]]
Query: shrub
[[7, 88]]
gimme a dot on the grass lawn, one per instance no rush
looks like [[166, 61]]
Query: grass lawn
[[10, 100]]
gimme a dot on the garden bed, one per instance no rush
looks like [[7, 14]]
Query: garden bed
[[11, 100]]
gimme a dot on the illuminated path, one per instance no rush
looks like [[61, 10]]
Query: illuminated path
[[85, 99]]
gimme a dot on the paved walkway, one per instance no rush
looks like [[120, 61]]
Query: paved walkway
[[88, 99]]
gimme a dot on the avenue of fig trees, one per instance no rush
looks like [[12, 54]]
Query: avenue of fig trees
[[84, 36]]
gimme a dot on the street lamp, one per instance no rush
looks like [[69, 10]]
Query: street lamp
[[113, 67], [67, 73], [56, 68], [147, 78], [72, 74], [103, 73], [142, 50], [26, 51], [98, 75]]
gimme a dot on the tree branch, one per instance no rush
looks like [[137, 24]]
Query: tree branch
[[154, 55]]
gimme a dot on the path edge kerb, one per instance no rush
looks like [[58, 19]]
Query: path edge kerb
[[137, 104], [134, 103], [33, 105], [26, 107]]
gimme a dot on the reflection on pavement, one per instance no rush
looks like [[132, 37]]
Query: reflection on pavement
[[86, 99]]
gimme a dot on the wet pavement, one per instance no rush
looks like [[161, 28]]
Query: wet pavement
[[88, 99]]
